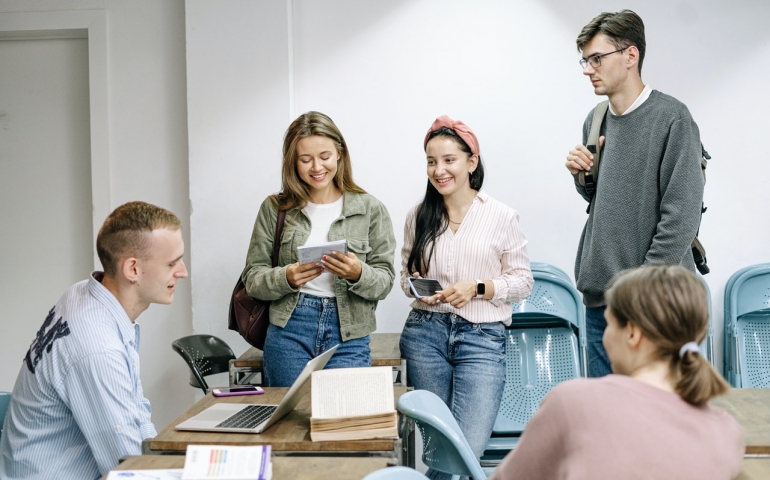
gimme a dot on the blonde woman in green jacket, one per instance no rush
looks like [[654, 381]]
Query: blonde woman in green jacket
[[316, 306]]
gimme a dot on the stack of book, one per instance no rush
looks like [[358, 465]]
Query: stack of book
[[353, 404]]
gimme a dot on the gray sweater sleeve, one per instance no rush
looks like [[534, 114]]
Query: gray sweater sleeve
[[681, 194]]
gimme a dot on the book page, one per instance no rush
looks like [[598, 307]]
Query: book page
[[315, 253], [350, 392], [204, 462]]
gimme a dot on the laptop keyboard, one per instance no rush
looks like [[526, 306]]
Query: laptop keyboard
[[249, 417]]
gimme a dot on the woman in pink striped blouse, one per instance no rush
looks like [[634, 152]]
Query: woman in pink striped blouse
[[454, 341]]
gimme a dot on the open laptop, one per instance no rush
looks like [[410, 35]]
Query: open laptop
[[250, 418]]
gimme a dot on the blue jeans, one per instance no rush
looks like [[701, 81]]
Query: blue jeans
[[598, 362], [461, 362], [313, 328]]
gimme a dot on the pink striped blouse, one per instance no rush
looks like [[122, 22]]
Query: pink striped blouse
[[488, 245]]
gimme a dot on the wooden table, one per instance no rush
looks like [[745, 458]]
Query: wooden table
[[751, 407], [755, 469], [289, 436], [295, 468], [385, 352]]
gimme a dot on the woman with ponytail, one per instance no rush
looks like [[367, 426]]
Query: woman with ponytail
[[651, 419], [454, 341]]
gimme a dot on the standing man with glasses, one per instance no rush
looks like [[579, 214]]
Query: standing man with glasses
[[646, 206]]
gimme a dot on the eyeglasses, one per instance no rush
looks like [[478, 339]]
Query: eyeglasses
[[596, 60]]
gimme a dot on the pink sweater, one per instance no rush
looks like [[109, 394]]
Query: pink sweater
[[620, 428]]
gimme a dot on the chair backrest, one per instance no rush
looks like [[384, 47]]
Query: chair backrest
[[537, 359], [444, 445], [548, 268], [205, 355], [5, 399], [554, 302], [747, 327], [395, 473]]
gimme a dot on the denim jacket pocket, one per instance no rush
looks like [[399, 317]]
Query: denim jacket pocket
[[493, 330], [416, 317]]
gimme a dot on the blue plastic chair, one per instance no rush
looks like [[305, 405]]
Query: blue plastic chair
[[747, 327], [395, 473], [5, 399], [548, 268], [545, 345], [444, 445]]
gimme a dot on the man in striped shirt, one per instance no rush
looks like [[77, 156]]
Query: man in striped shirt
[[78, 404]]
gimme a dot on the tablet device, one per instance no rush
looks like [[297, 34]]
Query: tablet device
[[424, 287]]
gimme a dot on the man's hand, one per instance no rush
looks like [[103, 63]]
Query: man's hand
[[298, 275], [347, 267], [580, 158]]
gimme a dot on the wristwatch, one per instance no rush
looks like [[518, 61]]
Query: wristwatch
[[481, 288]]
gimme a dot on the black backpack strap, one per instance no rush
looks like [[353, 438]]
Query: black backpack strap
[[589, 178]]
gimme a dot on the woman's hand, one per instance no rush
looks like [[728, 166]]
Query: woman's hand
[[298, 275], [347, 267], [459, 294]]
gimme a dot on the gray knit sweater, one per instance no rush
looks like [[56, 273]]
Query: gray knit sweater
[[647, 205]]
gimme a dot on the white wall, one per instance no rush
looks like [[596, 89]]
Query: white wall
[[384, 70], [148, 159]]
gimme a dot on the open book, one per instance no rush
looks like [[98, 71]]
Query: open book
[[353, 404]]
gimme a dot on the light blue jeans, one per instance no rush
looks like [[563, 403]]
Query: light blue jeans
[[598, 361], [313, 328], [461, 362]]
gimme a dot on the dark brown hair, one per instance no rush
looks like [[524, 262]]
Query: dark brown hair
[[669, 304], [127, 233], [295, 193], [624, 28]]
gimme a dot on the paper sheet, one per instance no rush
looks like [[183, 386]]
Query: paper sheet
[[315, 253], [167, 474]]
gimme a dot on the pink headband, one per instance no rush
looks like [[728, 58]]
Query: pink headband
[[462, 130]]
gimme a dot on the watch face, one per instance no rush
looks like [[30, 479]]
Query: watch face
[[481, 289]]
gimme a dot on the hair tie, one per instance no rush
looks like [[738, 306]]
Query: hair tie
[[462, 130], [689, 347]]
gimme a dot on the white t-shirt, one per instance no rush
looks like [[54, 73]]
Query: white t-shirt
[[321, 218]]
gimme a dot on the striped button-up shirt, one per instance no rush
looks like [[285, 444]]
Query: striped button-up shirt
[[488, 245], [78, 404]]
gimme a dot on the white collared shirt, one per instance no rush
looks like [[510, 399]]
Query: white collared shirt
[[646, 91]]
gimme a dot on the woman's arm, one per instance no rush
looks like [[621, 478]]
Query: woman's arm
[[542, 448], [377, 272], [261, 279], [515, 283]]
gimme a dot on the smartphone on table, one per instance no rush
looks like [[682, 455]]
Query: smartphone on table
[[424, 287], [242, 390]]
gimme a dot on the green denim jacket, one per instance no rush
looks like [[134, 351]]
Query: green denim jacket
[[365, 224]]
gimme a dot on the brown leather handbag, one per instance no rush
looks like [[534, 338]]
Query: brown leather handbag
[[248, 315]]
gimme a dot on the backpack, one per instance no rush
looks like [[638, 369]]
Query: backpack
[[248, 315], [590, 178]]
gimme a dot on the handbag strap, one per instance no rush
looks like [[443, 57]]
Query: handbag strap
[[278, 233]]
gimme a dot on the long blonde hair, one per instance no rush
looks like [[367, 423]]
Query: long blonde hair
[[295, 193], [669, 304]]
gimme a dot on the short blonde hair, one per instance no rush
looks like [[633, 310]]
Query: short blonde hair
[[669, 304], [126, 232]]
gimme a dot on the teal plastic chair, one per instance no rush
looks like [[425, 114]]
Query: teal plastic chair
[[5, 399], [205, 355], [395, 473], [747, 328], [444, 445], [545, 345]]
